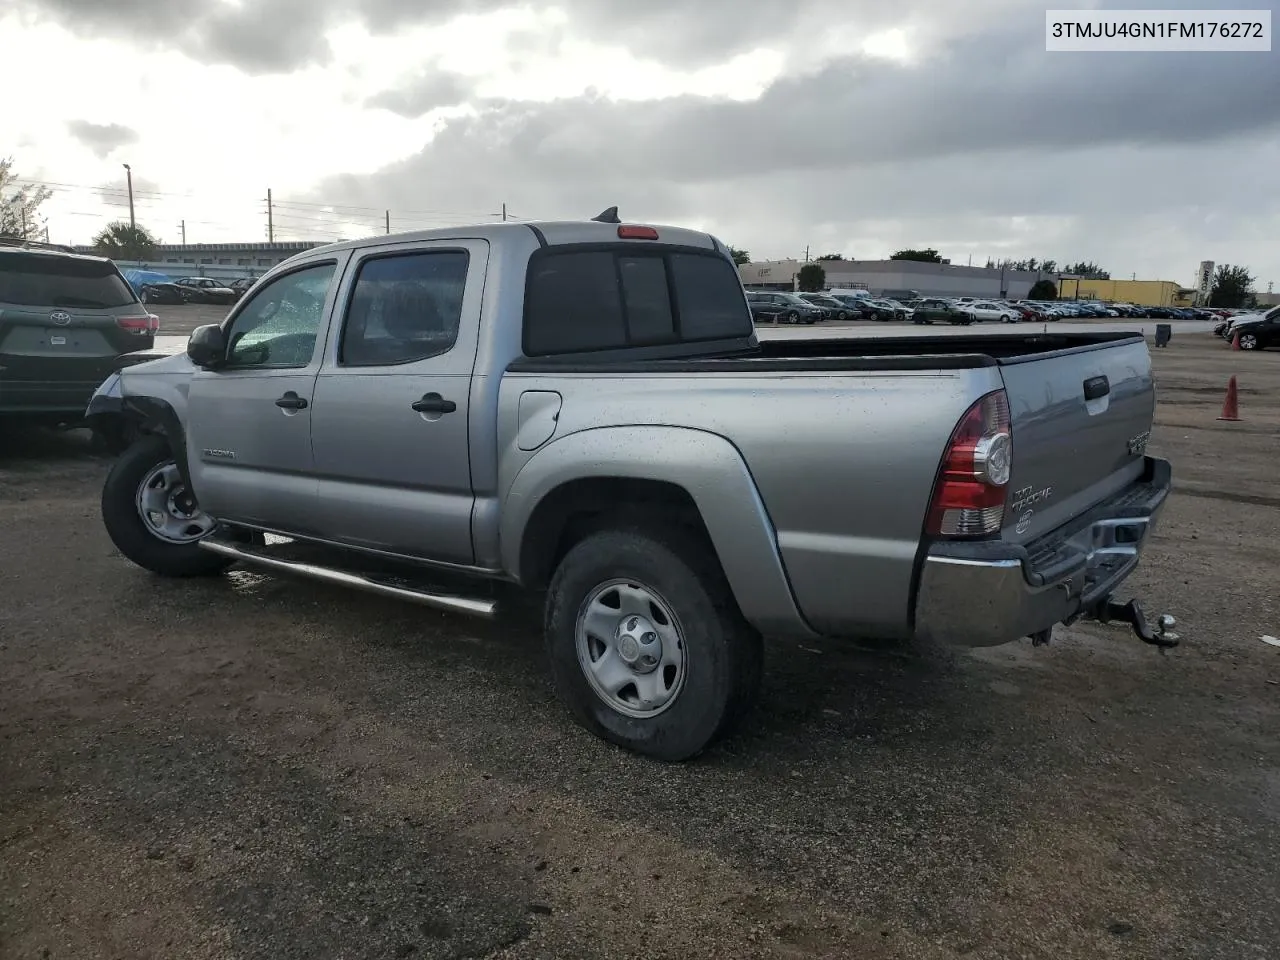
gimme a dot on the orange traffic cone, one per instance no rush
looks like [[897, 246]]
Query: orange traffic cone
[[1231, 405], [1235, 341]]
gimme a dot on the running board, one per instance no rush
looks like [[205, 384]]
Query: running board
[[359, 581]]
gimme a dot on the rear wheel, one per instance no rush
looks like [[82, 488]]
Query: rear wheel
[[647, 647], [151, 516]]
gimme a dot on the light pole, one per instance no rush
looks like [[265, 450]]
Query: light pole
[[129, 173]]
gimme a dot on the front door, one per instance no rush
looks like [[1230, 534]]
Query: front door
[[249, 422], [390, 426]]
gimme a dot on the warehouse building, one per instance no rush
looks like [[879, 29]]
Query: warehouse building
[[902, 278], [1142, 293]]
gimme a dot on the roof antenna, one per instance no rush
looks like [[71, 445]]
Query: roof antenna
[[609, 216]]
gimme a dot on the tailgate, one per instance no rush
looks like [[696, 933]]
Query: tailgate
[[67, 344], [1081, 418]]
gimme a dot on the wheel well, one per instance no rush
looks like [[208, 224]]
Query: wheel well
[[575, 509]]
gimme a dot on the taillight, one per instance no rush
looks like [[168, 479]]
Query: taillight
[[637, 233], [968, 500], [140, 326]]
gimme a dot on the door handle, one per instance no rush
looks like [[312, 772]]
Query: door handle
[[434, 403], [291, 401]]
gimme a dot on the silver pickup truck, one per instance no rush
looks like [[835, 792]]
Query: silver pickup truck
[[583, 410]]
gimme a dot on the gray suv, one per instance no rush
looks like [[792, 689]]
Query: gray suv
[[64, 321]]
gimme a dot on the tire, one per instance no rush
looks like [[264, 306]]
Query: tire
[[842, 315], [134, 537], [1250, 341], [722, 655], [145, 296], [791, 318], [1005, 318]]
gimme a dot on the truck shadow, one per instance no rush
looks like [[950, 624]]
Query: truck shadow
[[25, 446]]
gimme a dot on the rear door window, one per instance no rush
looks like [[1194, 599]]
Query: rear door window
[[583, 300], [42, 280]]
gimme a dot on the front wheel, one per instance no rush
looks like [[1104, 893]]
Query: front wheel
[[791, 318], [647, 647], [151, 516], [1249, 341]]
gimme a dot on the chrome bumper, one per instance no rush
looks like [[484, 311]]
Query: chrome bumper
[[985, 594]]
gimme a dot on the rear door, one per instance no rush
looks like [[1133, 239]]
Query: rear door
[[64, 320], [1080, 420], [392, 401]]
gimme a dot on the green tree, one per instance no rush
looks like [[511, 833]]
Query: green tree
[[739, 256], [928, 255], [20, 205], [1230, 286], [1043, 290], [119, 241], [831, 256], [1089, 271], [1049, 266], [811, 278]]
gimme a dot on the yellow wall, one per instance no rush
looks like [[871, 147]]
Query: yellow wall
[[1143, 293]]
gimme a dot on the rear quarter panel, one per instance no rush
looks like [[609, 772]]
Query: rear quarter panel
[[844, 465]]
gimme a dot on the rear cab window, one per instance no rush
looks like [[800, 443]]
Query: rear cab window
[[620, 296], [49, 280]]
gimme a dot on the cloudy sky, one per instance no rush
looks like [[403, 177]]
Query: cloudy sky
[[851, 126]]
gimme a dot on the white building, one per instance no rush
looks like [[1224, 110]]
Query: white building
[[897, 278]]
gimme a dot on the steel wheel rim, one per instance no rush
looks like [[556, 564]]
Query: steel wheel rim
[[166, 509], [631, 648]]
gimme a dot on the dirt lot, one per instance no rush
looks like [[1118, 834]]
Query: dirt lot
[[253, 768]]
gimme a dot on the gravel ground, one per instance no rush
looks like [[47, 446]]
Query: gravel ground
[[254, 768]]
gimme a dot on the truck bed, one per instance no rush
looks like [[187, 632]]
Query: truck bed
[[840, 354], [843, 438]]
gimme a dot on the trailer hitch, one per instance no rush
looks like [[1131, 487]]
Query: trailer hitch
[[1131, 613]]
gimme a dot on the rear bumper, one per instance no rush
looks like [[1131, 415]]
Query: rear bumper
[[985, 594], [59, 397]]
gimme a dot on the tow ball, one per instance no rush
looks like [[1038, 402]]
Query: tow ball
[[1131, 613]]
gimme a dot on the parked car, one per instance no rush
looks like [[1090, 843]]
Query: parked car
[[162, 292], [1257, 329], [900, 310], [1258, 333], [241, 285], [831, 308], [937, 310], [65, 319], [784, 307], [988, 310], [876, 309], [629, 453], [855, 304], [205, 290]]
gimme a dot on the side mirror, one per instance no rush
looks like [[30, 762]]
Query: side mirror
[[207, 347]]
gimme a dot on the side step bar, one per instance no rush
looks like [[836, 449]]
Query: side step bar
[[441, 601]]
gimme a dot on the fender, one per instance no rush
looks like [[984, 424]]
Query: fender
[[707, 467]]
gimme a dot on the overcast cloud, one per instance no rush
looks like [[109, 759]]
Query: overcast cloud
[[855, 126], [101, 138]]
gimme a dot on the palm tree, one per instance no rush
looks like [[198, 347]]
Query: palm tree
[[120, 241]]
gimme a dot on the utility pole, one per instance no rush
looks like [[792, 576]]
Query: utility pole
[[271, 227], [806, 253], [182, 225], [504, 213], [388, 221], [129, 173]]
